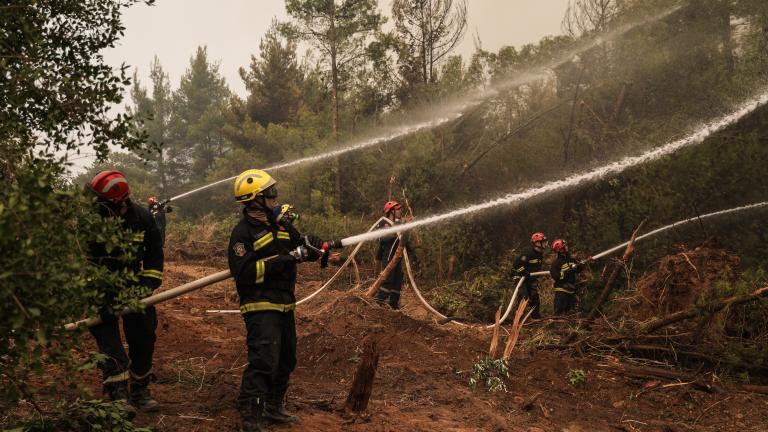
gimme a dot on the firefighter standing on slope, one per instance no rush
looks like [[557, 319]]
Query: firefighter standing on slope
[[113, 200], [564, 271], [529, 262], [389, 292], [263, 253]]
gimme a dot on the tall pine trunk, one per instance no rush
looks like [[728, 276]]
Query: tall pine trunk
[[335, 120]]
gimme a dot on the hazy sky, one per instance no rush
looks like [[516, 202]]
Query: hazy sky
[[232, 29]]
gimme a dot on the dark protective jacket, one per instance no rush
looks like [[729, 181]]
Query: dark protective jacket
[[564, 271], [147, 263], [158, 213], [264, 272], [387, 247], [529, 262]]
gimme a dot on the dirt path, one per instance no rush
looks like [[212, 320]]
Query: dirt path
[[422, 379]]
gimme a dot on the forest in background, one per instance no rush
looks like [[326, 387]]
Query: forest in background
[[653, 84], [656, 83]]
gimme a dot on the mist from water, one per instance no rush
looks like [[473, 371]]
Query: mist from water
[[699, 135], [456, 108]]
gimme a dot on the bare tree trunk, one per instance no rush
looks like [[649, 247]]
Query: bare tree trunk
[[362, 383], [387, 270], [335, 124]]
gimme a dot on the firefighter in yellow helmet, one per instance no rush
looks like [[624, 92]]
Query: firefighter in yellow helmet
[[264, 249]]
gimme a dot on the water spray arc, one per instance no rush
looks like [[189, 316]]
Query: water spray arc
[[697, 137], [669, 227], [458, 107]]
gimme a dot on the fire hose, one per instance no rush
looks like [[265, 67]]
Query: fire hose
[[360, 238]]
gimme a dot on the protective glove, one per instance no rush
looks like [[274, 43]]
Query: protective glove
[[314, 242], [278, 262], [168, 209], [107, 314]]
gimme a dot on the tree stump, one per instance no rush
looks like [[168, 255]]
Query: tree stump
[[362, 384]]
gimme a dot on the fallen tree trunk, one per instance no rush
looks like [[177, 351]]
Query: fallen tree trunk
[[653, 372], [653, 325]]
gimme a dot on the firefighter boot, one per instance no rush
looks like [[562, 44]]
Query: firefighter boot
[[251, 415], [141, 398], [118, 392], [274, 409]]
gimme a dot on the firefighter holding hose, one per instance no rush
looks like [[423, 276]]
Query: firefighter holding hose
[[113, 201], [158, 210], [389, 292], [263, 252], [564, 270], [529, 262]]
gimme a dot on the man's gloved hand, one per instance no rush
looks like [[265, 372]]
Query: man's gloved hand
[[168, 209], [314, 242], [279, 261], [107, 314]]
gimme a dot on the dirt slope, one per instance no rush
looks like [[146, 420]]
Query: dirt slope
[[422, 379]]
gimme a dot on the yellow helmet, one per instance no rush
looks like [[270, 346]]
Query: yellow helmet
[[252, 183]]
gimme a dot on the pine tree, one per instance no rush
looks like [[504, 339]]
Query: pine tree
[[340, 32], [274, 80], [198, 112]]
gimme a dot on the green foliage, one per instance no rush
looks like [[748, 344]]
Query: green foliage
[[491, 373], [198, 112], [576, 376], [82, 415], [56, 92], [52, 84], [274, 80]]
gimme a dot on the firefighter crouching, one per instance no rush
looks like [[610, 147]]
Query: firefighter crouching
[[113, 200], [263, 253], [530, 262]]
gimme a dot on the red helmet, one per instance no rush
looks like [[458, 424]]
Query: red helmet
[[559, 245], [537, 237], [152, 200], [391, 205], [111, 186]]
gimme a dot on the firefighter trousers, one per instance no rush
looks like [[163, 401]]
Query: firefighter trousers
[[565, 302], [530, 291], [140, 335], [271, 339]]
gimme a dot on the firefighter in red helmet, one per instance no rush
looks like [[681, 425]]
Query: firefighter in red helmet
[[528, 262], [134, 368], [389, 292], [564, 270]]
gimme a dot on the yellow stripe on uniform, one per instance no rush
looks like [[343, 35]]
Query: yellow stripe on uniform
[[283, 235], [563, 290], [260, 270], [266, 306], [157, 274], [263, 241]]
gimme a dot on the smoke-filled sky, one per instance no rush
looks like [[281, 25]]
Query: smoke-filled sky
[[232, 29]]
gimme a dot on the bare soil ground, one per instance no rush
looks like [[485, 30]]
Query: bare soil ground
[[422, 379]]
